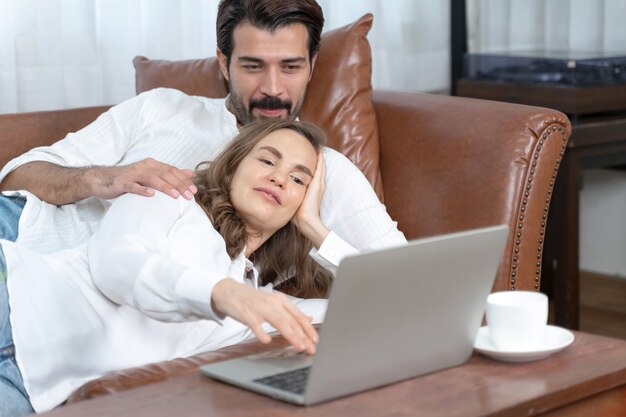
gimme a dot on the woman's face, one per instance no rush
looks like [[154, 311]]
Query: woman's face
[[271, 181]]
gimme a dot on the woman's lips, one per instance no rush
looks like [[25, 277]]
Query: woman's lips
[[269, 194]]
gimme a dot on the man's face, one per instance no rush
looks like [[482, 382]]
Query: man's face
[[268, 72]]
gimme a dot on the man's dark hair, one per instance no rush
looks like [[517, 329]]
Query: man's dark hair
[[268, 15]]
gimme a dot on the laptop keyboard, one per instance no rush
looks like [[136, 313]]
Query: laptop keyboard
[[292, 381]]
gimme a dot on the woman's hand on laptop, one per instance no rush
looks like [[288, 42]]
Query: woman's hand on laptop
[[254, 307]]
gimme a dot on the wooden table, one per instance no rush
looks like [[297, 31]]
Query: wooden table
[[587, 378], [596, 142]]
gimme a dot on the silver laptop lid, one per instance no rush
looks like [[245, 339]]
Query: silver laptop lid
[[405, 311]]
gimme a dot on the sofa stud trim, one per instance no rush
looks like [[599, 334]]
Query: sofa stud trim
[[546, 139]]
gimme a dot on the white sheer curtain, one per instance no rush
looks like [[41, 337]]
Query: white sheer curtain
[[410, 40], [72, 53], [561, 25]]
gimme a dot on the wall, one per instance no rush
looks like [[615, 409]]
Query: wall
[[603, 222]]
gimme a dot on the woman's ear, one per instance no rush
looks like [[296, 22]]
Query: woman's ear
[[223, 61]]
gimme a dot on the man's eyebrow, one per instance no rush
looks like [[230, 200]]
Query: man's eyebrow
[[250, 59], [279, 155], [293, 60]]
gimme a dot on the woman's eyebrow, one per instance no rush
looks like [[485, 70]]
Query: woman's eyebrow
[[304, 169], [273, 150], [279, 155]]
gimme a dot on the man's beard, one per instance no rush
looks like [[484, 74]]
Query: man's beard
[[244, 115]]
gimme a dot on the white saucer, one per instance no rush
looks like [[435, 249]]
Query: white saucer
[[555, 339]]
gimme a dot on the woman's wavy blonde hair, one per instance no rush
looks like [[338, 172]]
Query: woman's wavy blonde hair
[[285, 254]]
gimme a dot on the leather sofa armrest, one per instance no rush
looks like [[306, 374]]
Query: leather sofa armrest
[[20, 132], [452, 163]]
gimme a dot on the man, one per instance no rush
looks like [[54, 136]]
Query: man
[[267, 51]]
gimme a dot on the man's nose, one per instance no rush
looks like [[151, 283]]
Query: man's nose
[[272, 84]]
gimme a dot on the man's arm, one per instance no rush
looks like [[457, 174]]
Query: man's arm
[[85, 163], [61, 185]]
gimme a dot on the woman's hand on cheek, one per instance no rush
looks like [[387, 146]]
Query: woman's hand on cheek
[[307, 218], [254, 307]]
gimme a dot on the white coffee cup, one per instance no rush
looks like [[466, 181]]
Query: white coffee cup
[[517, 320]]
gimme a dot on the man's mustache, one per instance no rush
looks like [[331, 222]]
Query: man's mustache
[[271, 103]]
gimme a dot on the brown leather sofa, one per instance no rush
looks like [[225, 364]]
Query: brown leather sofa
[[443, 163]]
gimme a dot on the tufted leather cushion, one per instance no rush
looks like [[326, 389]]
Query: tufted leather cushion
[[196, 77], [338, 97]]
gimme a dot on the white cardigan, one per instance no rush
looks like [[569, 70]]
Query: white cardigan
[[138, 292]]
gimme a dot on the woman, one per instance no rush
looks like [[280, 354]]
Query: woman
[[165, 278]]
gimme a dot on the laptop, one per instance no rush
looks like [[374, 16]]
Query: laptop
[[392, 314]]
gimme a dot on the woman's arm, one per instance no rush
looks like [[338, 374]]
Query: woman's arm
[[254, 307], [131, 263], [329, 249], [307, 218], [130, 260]]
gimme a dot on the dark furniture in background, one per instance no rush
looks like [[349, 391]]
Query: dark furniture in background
[[597, 141], [458, 42]]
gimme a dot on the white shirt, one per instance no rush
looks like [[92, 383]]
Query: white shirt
[[138, 292], [183, 131]]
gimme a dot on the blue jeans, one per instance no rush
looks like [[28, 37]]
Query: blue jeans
[[10, 212], [13, 397]]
